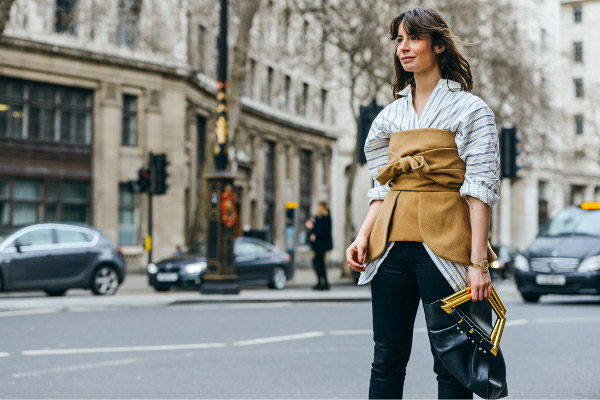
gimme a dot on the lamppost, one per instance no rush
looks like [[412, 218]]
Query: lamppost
[[220, 276]]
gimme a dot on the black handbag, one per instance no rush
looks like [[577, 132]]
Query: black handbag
[[462, 335]]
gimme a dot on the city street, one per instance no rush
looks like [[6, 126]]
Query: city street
[[271, 350]]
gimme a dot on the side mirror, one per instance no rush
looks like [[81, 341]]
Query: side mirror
[[20, 243]]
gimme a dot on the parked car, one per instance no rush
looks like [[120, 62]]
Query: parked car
[[55, 257], [257, 263], [565, 256]]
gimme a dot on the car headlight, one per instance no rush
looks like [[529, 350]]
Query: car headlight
[[152, 268], [194, 268], [590, 264], [521, 263], [495, 264]]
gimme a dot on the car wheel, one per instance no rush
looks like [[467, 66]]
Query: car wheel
[[278, 278], [105, 281], [55, 292], [160, 288], [530, 297]]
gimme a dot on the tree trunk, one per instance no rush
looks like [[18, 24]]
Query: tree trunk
[[5, 6]]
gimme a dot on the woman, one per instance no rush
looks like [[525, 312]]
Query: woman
[[321, 242], [433, 154]]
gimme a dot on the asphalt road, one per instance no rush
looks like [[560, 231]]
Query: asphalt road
[[271, 350]]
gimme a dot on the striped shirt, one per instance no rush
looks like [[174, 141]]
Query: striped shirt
[[452, 109]]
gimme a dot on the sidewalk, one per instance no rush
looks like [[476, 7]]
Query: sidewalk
[[304, 278], [135, 292]]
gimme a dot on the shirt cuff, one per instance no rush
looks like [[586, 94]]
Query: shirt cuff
[[378, 193], [488, 195]]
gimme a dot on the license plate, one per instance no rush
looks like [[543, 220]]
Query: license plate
[[167, 277], [550, 279]]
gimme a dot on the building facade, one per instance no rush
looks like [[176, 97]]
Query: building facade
[[89, 88]]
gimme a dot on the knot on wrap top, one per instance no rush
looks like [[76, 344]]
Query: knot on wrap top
[[424, 204]]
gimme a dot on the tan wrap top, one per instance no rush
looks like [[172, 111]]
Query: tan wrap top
[[424, 204]]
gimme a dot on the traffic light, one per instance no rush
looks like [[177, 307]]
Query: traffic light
[[365, 118], [158, 166], [143, 181], [509, 152]]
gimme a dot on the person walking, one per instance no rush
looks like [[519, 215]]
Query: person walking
[[321, 242], [433, 155]]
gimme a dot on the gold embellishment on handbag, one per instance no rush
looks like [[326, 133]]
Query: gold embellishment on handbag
[[464, 295]]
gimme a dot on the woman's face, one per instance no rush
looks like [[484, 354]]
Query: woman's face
[[415, 52]]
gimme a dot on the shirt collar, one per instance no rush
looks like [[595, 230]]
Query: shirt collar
[[452, 85]]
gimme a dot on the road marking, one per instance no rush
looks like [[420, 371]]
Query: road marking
[[4, 355], [259, 305], [352, 332], [81, 367], [28, 312], [97, 350], [283, 338], [565, 320], [516, 322]]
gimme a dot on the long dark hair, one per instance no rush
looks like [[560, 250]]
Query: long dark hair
[[428, 21]]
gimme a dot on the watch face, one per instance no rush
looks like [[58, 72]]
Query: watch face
[[485, 265]]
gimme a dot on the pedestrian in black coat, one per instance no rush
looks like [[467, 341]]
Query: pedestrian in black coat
[[321, 242]]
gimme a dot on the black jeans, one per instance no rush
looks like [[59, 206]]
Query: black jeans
[[405, 276], [320, 269]]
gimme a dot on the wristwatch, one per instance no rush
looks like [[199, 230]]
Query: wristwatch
[[484, 265]]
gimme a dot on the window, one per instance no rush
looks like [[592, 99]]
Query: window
[[25, 201], [304, 101], [27, 196], [37, 111], [578, 51], [75, 199], [578, 124], [288, 88], [578, 82], [70, 236], [323, 104], [65, 17], [543, 212], [129, 217], [305, 193], [577, 14], [269, 182], [38, 237], [304, 37], [269, 85], [129, 15], [201, 47], [129, 137], [287, 12], [252, 79]]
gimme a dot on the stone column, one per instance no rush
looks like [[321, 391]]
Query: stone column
[[279, 206], [106, 161]]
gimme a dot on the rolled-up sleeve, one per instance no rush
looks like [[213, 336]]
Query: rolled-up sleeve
[[477, 142], [376, 152]]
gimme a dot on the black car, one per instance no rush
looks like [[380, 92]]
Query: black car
[[564, 258], [55, 257], [257, 263]]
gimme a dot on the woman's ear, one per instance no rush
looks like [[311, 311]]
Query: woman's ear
[[439, 48]]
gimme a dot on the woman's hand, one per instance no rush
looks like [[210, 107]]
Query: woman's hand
[[480, 282], [309, 224], [356, 253]]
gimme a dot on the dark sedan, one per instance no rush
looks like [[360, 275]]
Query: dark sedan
[[55, 257], [565, 257], [257, 263]]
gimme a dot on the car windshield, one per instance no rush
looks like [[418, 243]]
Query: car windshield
[[199, 249], [573, 222]]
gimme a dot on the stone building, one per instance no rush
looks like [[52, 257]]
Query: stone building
[[88, 88]]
